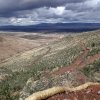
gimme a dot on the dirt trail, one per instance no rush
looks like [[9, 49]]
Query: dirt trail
[[79, 62], [75, 63], [90, 60]]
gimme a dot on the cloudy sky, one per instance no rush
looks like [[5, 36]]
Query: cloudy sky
[[28, 12]]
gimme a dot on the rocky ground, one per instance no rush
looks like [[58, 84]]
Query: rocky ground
[[90, 93]]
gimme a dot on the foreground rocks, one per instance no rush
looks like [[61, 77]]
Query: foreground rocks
[[68, 80], [88, 91]]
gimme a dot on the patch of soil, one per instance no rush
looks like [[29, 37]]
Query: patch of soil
[[91, 93], [76, 63], [79, 62]]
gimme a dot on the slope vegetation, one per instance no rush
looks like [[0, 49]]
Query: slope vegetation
[[68, 61]]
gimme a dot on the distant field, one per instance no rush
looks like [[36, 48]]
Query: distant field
[[13, 43]]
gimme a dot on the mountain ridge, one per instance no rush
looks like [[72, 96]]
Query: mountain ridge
[[53, 27]]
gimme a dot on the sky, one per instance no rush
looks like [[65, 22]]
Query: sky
[[29, 12]]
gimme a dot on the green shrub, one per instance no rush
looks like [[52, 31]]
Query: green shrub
[[5, 91]]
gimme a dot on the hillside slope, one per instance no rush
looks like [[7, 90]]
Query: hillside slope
[[69, 61], [11, 45]]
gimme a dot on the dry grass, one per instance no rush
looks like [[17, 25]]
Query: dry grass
[[12, 43]]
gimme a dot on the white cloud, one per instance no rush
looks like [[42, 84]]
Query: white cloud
[[87, 11], [21, 21], [92, 3], [58, 10]]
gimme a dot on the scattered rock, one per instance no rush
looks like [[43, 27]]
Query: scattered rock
[[98, 92], [67, 79]]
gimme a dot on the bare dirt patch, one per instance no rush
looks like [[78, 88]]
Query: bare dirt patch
[[79, 62], [76, 63]]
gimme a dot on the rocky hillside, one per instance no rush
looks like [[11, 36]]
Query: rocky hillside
[[69, 61], [88, 91]]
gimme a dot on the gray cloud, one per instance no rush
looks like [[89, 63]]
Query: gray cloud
[[23, 12], [10, 6]]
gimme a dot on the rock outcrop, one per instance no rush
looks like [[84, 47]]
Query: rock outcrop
[[88, 91]]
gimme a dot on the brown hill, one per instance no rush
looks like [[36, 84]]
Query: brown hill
[[14, 43], [11, 45]]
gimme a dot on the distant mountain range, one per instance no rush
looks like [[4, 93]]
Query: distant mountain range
[[57, 27]]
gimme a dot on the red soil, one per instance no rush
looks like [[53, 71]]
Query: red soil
[[79, 62], [90, 93], [90, 59]]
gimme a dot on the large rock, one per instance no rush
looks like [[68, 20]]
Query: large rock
[[44, 83]]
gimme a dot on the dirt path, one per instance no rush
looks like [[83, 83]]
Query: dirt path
[[75, 63], [90, 60], [79, 62]]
